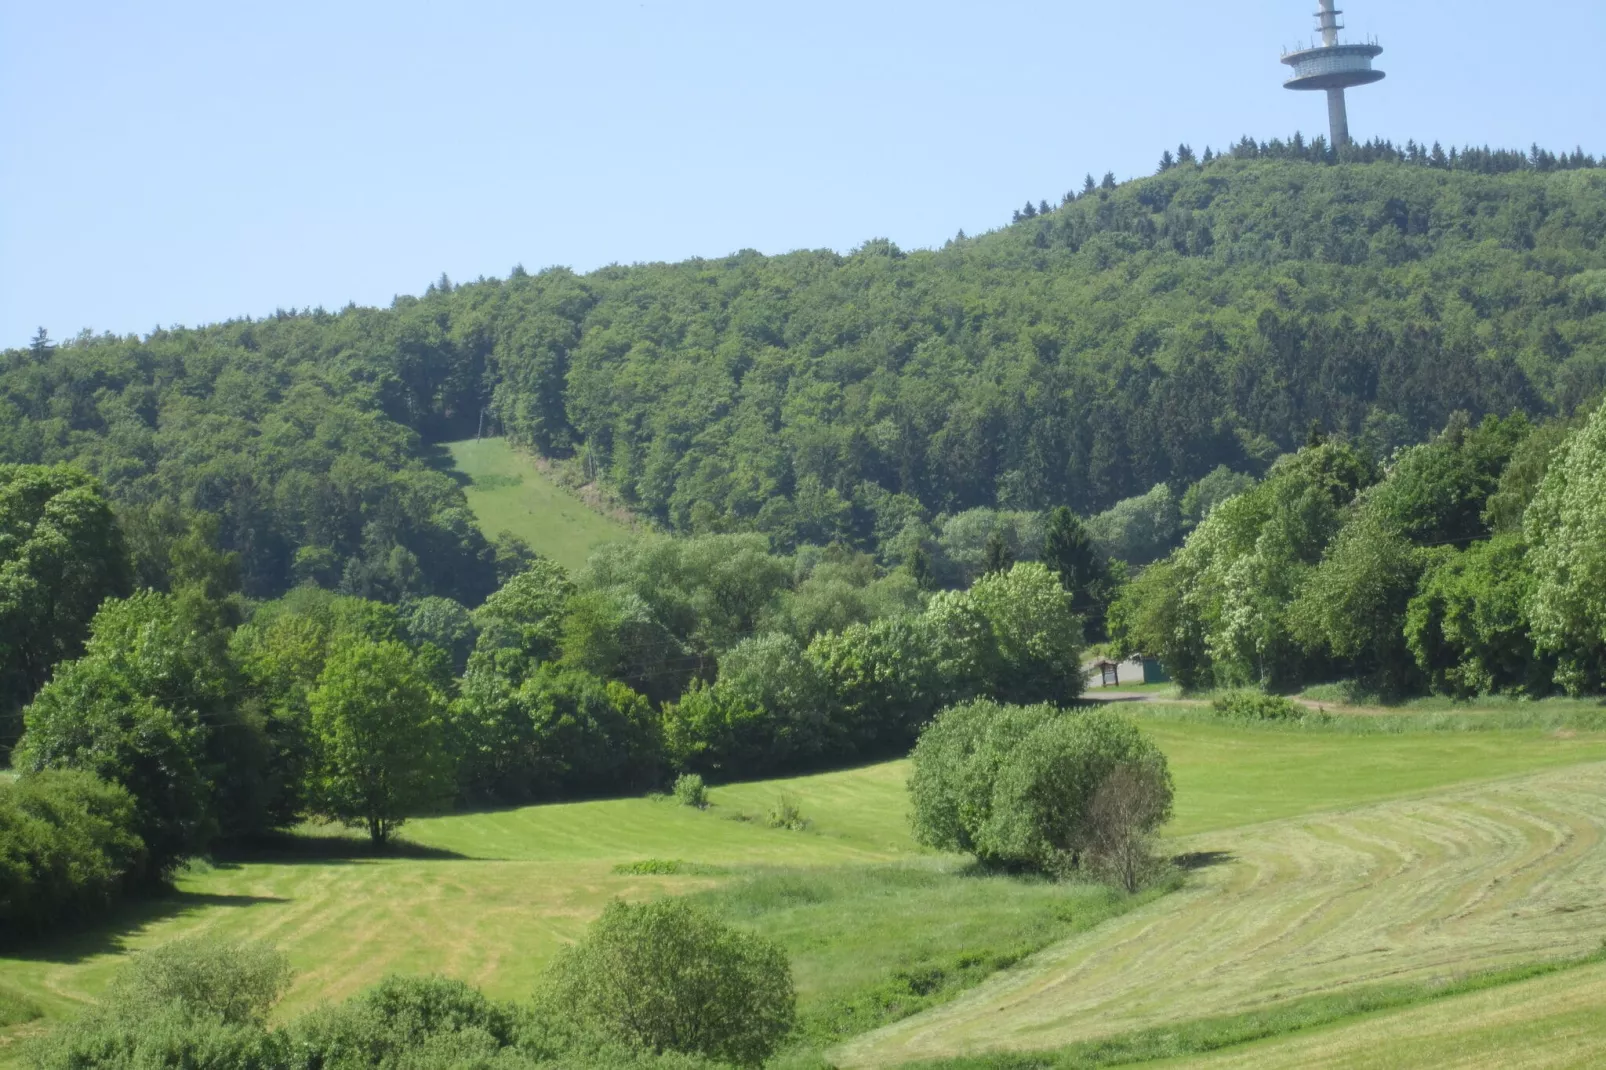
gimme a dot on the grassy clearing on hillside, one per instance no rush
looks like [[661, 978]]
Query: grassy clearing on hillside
[[870, 920], [510, 493], [1407, 891]]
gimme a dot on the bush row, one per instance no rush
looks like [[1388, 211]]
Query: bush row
[[866, 691], [220, 719], [1468, 565], [659, 986]]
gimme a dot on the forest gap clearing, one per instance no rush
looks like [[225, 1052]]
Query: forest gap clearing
[[500, 891], [509, 492]]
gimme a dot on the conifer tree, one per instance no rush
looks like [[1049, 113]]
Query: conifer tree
[[41, 346], [999, 556]]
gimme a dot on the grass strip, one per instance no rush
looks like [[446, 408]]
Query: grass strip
[[1205, 1035], [15, 1009], [1575, 718], [874, 944]]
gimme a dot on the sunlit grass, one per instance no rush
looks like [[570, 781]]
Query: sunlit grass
[[509, 492]]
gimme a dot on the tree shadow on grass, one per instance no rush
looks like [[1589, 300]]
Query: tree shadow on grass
[[1202, 860], [111, 935], [435, 455], [289, 849]]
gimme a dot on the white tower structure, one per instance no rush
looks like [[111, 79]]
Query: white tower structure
[[1333, 66]]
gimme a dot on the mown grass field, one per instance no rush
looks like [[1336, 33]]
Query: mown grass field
[[1552, 1022], [1332, 841], [1428, 886], [508, 492]]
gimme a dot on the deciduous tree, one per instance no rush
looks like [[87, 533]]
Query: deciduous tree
[[380, 742]]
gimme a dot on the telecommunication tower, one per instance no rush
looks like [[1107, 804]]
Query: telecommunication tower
[[1334, 67]]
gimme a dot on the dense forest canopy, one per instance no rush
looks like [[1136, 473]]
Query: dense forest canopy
[[1134, 335]]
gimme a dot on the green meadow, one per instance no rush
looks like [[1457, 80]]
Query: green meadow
[[508, 492], [901, 954]]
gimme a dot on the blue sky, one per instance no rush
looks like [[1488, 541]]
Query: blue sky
[[168, 163]]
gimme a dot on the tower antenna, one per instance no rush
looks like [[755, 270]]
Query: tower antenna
[[1333, 66]]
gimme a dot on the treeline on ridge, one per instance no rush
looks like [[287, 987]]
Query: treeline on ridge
[[1139, 334]]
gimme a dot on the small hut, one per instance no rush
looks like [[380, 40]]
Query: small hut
[[1153, 671], [1109, 672]]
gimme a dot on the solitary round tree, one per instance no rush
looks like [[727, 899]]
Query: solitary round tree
[[377, 723], [1016, 785]]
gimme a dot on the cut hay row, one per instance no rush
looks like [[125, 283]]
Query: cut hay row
[[1473, 878], [1544, 1024]]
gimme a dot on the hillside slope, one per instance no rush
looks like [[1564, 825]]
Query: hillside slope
[[1207, 315]]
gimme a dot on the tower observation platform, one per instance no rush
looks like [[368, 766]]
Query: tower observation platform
[[1334, 67]]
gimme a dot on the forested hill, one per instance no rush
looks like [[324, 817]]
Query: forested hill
[[1208, 315]]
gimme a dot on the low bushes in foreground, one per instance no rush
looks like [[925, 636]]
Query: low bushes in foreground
[[666, 977], [661, 986]]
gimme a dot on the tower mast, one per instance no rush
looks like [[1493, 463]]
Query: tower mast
[[1333, 67]]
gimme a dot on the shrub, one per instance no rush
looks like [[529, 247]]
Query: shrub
[[956, 764], [1256, 706], [666, 977], [197, 1003], [784, 813], [1013, 785], [67, 848], [691, 791], [406, 1021], [236, 982], [668, 867], [167, 1037]]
